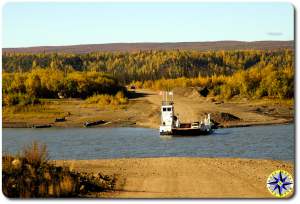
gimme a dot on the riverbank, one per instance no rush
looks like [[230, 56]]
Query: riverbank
[[143, 110], [184, 177]]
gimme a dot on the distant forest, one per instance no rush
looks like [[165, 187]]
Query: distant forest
[[134, 47], [151, 65], [252, 73]]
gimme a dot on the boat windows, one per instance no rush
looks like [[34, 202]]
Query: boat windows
[[166, 109]]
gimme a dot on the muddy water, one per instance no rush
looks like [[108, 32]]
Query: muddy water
[[270, 142]]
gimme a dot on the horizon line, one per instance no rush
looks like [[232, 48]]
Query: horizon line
[[146, 42]]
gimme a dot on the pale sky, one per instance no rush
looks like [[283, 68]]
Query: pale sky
[[39, 24]]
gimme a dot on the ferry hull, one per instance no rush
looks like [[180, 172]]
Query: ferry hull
[[187, 132]]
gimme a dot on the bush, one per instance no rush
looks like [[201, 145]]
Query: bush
[[216, 90], [19, 99], [31, 175], [108, 100], [11, 99]]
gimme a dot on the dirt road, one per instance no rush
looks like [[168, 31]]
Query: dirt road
[[190, 106], [185, 177]]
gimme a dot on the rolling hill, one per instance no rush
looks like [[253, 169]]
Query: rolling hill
[[132, 47]]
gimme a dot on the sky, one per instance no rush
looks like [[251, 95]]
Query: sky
[[50, 24]]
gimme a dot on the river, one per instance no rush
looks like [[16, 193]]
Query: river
[[269, 142]]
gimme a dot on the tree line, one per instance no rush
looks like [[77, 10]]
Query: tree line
[[252, 73], [151, 65], [26, 87], [253, 83]]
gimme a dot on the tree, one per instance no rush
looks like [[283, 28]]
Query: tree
[[33, 85]]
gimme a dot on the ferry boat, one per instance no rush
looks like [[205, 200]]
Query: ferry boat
[[171, 125]]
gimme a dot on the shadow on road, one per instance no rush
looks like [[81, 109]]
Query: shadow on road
[[134, 94]]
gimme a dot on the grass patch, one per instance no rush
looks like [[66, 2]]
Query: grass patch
[[282, 102], [31, 175], [40, 108]]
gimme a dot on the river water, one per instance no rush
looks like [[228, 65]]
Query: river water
[[269, 142]]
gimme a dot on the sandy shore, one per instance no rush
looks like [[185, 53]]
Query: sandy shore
[[184, 177], [143, 110]]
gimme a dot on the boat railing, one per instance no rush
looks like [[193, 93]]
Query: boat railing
[[167, 103]]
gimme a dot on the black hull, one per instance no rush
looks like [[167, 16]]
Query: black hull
[[41, 126], [187, 132], [90, 124]]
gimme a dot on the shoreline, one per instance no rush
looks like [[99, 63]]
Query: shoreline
[[133, 124], [184, 177], [144, 111]]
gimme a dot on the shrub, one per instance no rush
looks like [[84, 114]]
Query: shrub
[[136, 84], [31, 175], [108, 100], [216, 90], [36, 154], [121, 98], [12, 99]]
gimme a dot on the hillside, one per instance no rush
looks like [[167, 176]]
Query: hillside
[[131, 47]]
